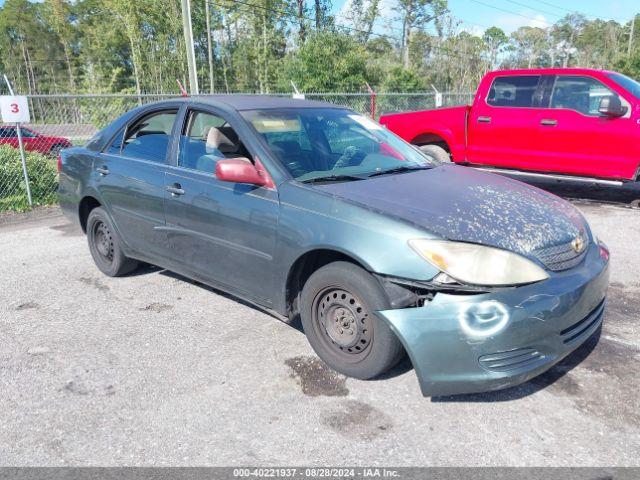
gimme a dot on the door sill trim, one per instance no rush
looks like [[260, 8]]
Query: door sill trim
[[570, 178]]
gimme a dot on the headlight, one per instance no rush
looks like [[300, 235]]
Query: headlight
[[478, 265]]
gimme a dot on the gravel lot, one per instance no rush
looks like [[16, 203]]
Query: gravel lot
[[153, 369]]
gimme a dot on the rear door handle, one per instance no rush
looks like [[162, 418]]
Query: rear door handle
[[549, 122], [175, 190], [102, 171], [484, 119]]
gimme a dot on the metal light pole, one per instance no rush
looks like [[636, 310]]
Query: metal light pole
[[209, 51], [188, 41]]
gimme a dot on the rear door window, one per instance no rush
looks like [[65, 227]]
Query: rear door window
[[513, 91], [148, 138]]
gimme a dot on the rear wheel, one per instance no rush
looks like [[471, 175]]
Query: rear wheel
[[337, 308], [437, 152], [105, 247]]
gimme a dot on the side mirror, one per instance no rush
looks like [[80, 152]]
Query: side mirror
[[611, 106], [241, 170]]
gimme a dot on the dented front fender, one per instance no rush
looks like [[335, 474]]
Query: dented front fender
[[473, 343]]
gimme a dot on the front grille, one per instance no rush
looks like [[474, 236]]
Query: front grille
[[584, 326], [560, 257], [511, 360]]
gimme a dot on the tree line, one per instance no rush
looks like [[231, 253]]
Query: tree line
[[120, 46]]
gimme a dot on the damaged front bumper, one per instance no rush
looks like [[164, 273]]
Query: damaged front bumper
[[479, 342]]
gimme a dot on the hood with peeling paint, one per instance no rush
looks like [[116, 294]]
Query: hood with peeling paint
[[464, 204]]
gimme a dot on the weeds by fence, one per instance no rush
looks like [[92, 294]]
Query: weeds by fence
[[59, 121]]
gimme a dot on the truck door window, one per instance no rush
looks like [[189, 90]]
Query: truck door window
[[7, 132], [513, 91], [582, 94]]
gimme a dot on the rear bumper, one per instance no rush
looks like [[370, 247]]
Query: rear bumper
[[476, 343]]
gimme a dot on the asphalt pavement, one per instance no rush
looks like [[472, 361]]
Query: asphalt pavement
[[153, 369]]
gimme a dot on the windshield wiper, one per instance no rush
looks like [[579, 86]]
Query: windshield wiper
[[400, 170], [332, 178]]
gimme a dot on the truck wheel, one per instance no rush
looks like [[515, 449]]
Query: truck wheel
[[337, 308], [104, 245], [437, 152]]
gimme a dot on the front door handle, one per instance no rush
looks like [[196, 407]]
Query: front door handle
[[549, 122], [484, 119], [103, 171], [175, 190]]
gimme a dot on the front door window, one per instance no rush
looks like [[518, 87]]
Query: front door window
[[206, 139], [580, 94]]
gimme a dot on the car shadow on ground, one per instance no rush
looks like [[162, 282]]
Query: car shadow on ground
[[542, 381], [625, 194], [514, 393], [144, 269]]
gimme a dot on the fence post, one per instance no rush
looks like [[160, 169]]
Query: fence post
[[21, 148], [372, 103], [183, 92], [296, 93], [438, 97], [24, 164]]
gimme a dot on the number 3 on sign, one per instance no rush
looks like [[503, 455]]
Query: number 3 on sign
[[14, 109]]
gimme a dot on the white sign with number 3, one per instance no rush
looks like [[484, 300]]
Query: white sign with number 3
[[14, 109]]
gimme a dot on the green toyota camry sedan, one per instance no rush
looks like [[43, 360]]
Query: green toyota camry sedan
[[310, 209]]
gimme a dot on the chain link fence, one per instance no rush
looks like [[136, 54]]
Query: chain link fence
[[60, 121]]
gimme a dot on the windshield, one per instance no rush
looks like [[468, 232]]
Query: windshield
[[627, 83], [333, 144]]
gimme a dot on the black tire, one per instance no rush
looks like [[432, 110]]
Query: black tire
[[437, 152], [354, 342], [104, 245]]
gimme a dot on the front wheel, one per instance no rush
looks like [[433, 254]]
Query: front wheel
[[105, 246], [337, 308]]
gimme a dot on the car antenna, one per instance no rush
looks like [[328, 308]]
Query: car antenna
[[182, 90]]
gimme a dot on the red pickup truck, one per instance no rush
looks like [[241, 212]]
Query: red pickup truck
[[580, 124]]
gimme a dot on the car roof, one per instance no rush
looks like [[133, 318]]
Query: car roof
[[225, 103], [253, 102], [550, 71]]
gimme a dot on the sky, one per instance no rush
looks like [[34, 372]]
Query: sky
[[509, 15]]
